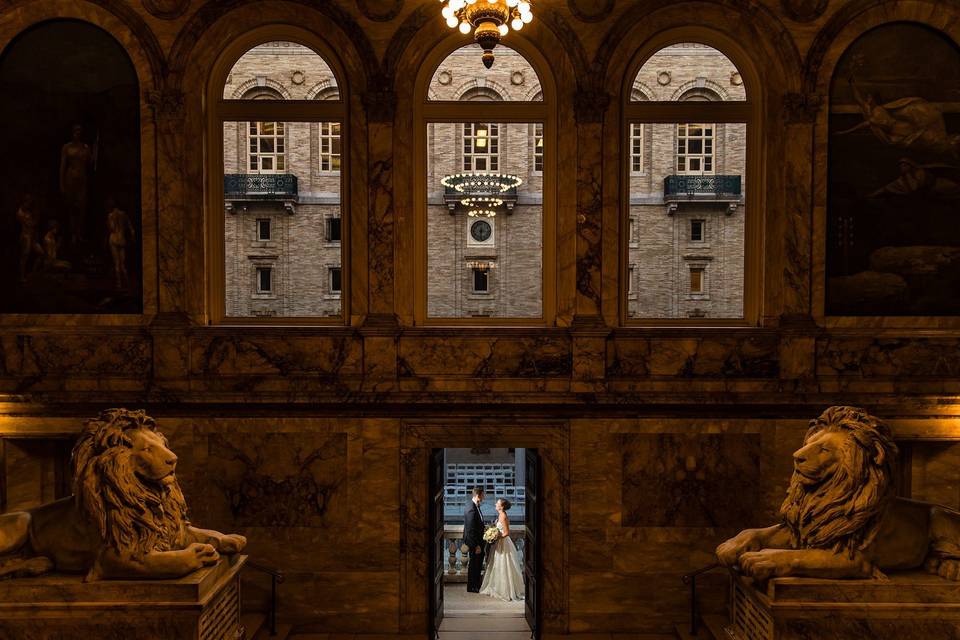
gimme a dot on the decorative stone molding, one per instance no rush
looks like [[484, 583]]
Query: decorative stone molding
[[590, 105], [664, 78], [444, 77], [736, 79], [380, 104], [166, 9], [380, 10], [801, 108], [804, 10], [590, 10], [167, 104], [297, 77], [516, 78]]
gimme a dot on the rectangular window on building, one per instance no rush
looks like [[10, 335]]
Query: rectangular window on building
[[481, 147], [696, 230], [333, 229], [630, 273], [264, 280], [330, 146], [335, 283], [636, 148], [481, 280], [631, 231], [263, 229], [538, 147], [695, 148], [696, 280], [267, 148]]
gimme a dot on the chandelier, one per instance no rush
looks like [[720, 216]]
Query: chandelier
[[487, 19]]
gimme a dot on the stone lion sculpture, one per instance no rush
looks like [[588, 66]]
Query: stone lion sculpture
[[126, 518], [841, 519]]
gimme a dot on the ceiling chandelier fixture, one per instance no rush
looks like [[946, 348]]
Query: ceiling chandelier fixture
[[488, 19]]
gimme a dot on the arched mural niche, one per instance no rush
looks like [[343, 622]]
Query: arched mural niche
[[70, 121], [893, 245]]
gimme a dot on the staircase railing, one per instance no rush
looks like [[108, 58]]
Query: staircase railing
[[276, 577], [691, 579]]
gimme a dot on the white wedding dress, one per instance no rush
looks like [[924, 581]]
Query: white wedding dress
[[502, 578]]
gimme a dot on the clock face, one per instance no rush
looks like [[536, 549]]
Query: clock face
[[480, 230]]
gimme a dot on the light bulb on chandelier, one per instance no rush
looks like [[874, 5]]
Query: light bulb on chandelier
[[489, 20]]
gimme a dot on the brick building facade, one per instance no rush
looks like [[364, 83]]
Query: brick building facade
[[282, 229]]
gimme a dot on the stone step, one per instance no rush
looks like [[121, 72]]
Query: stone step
[[490, 622], [484, 635]]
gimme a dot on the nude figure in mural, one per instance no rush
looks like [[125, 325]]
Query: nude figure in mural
[[121, 230], [29, 244], [911, 122], [933, 180], [76, 159], [51, 244]]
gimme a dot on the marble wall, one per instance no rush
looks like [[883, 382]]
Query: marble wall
[[659, 441]]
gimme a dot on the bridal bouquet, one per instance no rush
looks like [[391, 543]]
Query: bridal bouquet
[[491, 535]]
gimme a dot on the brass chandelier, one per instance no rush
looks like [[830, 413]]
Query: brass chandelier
[[488, 19]]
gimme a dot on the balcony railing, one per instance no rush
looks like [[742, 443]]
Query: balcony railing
[[457, 559], [263, 186], [702, 188]]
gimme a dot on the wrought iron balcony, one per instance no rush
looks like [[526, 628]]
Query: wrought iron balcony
[[260, 186], [482, 193], [702, 188]]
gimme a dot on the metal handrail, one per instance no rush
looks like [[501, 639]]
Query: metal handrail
[[276, 577], [691, 579]]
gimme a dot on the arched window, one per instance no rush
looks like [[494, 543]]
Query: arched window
[[686, 158], [893, 188], [71, 172], [282, 115], [485, 229]]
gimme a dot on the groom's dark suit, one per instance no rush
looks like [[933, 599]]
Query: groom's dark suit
[[473, 538]]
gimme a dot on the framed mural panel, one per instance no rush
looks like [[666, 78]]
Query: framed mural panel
[[893, 200], [70, 207]]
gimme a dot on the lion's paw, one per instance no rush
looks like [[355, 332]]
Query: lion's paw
[[947, 568], [232, 543]]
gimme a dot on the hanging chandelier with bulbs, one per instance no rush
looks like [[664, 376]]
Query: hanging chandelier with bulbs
[[489, 20]]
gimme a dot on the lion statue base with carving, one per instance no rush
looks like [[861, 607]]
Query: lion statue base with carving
[[841, 519], [127, 517]]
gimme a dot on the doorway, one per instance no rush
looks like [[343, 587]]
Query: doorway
[[504, 474]]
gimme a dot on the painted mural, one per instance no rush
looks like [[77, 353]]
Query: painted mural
[[893, 232], [70, 204]]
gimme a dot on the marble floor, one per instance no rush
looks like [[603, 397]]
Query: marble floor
[[470, 616]]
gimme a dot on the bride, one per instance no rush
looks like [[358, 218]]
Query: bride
[[502, 578]]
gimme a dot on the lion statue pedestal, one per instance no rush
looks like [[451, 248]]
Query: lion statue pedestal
[[847, 558], [140, 569], [204, 605]]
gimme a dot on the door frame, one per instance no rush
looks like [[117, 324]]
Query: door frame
[[417, 439]]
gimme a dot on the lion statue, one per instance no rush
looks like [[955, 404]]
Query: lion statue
[[841, 518], [126, 518]]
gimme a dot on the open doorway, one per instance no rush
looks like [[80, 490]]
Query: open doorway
[[507, 602]]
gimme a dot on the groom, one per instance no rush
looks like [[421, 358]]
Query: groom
[[473, 539]]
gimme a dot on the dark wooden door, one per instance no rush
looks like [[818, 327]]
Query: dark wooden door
[[531, 545], [437, 547]]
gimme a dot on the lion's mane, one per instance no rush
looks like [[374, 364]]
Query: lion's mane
[[133, 517], [844, 512]]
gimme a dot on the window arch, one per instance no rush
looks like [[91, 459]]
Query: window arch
[[279, 246], [686, 225], [72, 174], [485, 206]]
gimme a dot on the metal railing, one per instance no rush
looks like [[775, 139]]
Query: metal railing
[[691, 579], [716, 187], [276, 577], [260, 186]]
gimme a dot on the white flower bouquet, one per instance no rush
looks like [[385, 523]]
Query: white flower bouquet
[[491, 535]]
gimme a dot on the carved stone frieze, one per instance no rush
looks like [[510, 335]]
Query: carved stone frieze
[[590, 10], [804, 10], [801, 108], [380, 10], [166, 9]]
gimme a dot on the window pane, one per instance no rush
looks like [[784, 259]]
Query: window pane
[[280, 193], [280, 71], [679, 197], [485, 220], [462, 76], [335, 280], [688, 71]]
